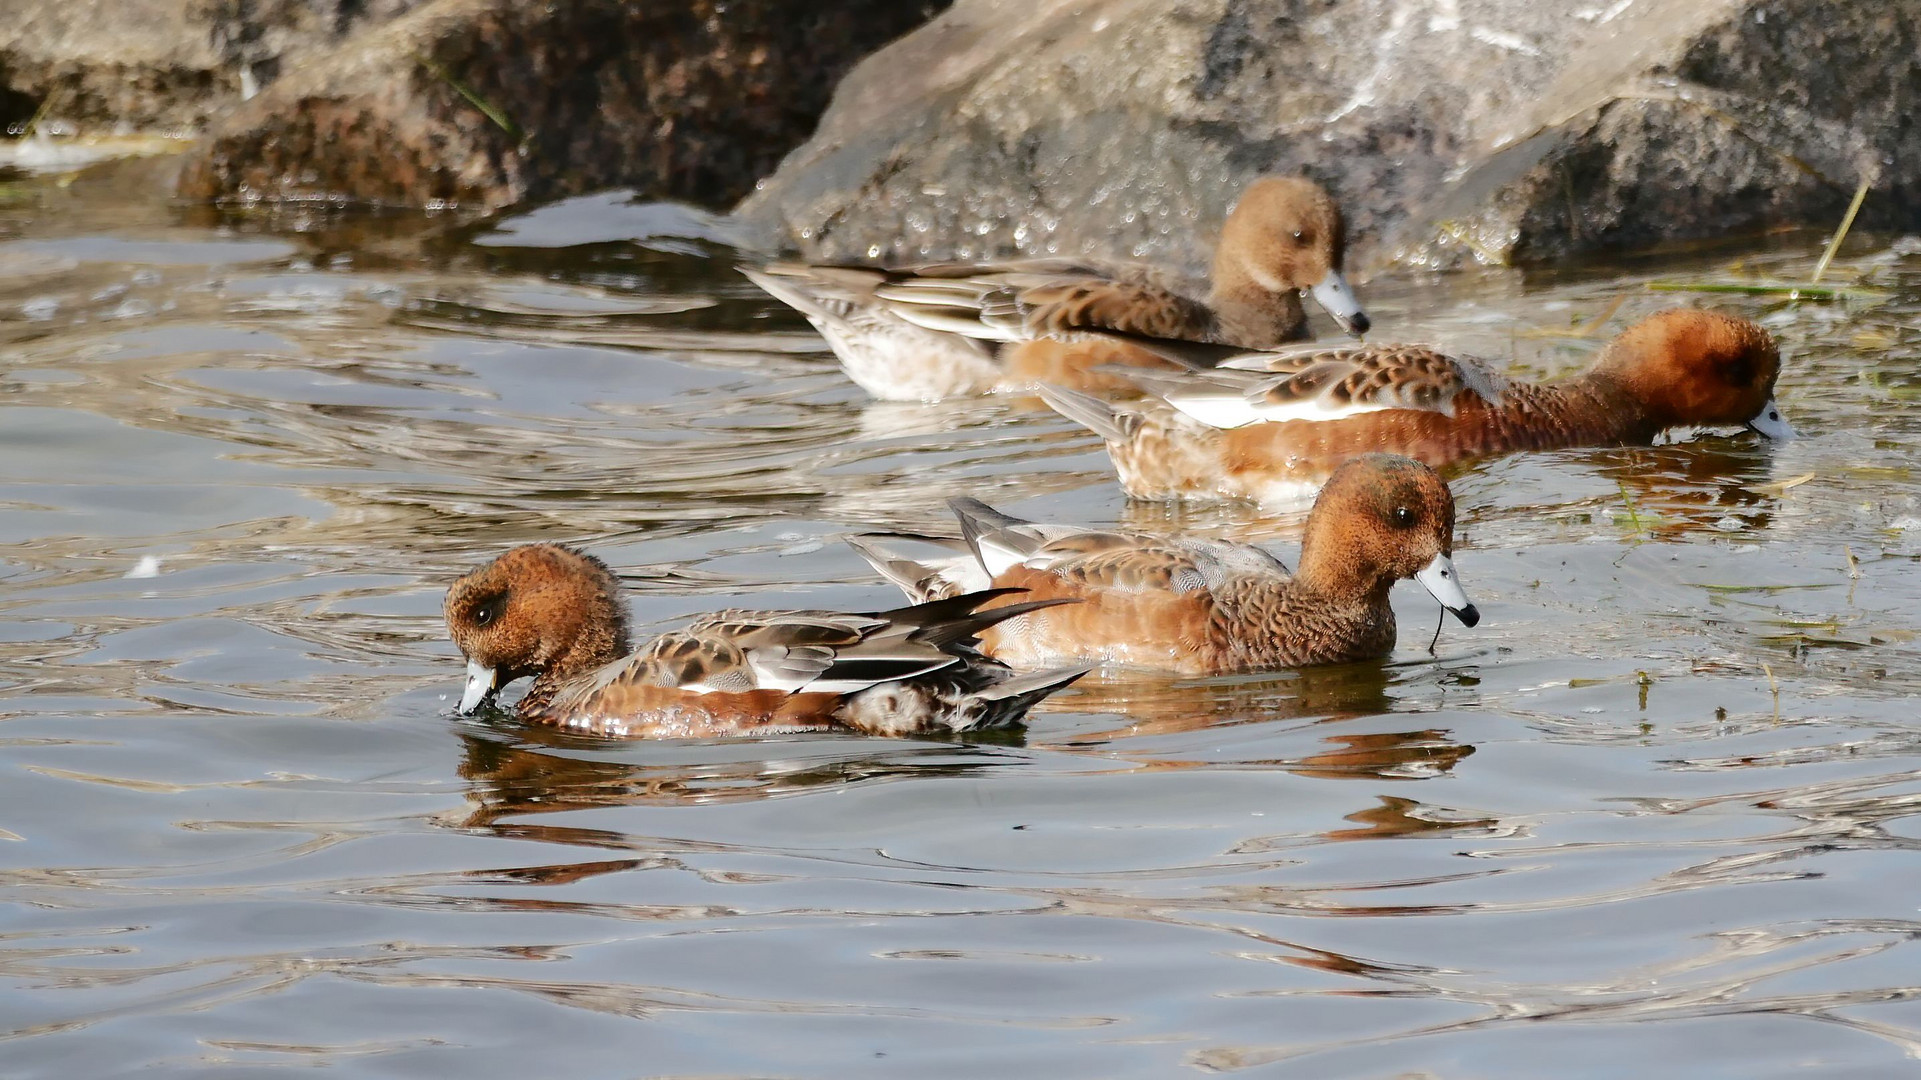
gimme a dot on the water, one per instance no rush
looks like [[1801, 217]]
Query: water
[[1655, 815]]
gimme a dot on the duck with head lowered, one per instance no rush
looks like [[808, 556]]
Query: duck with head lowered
[[1273, 426], [554, 614]]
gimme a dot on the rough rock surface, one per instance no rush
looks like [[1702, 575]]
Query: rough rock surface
[[388, 100], [159, 66], [693, 99], [1503, 130]]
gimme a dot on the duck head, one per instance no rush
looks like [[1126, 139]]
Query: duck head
[[539, 610]]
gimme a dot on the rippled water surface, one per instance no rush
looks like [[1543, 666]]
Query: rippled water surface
[[1655, 816]]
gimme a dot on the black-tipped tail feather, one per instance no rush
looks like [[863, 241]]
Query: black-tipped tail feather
[[964, 628]]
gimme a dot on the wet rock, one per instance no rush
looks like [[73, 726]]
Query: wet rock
[[1497, 130], [490, 102]]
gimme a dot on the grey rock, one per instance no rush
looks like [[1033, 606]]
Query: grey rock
[[1451, 130]]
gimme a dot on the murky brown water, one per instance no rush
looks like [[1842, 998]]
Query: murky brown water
[[242, 832]]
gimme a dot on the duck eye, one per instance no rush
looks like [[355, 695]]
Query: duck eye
[[1403, 517], [489, 609], [1299, 236]]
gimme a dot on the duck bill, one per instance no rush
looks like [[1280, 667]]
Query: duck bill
[[1771, 423], [1334, 294], [480, 687], [1441, 582]]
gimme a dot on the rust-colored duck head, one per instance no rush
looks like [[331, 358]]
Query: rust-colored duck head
[[1687, 367], [539, 610], [1381, 518]]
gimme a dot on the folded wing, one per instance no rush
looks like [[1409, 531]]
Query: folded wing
[[1322, 384]]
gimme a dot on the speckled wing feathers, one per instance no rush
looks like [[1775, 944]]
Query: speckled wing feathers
[[1064, 309], [816, 651], [1326, 384], [1041, 299], [1129, 564], [1394, 377]]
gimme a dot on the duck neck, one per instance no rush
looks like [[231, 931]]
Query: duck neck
[[1594, 408], [1330, 612], [602, 640], [1252, 316], [1340, 572]]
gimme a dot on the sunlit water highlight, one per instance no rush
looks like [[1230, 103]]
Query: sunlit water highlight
[[1655, 815]]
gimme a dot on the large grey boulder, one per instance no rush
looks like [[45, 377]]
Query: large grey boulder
[[1499, 130]]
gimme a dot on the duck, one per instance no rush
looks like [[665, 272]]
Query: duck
[[554, 613], [1195, 606], [961, 329], [1271, 426]]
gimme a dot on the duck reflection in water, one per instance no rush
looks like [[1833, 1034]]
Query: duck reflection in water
[[515, 771], [1703, 485], [1332, 699]]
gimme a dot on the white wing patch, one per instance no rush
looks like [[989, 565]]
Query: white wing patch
[[1228, 410], [998, 556], [1215, 408], [1314, 408]]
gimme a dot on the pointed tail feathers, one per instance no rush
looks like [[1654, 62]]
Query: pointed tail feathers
[[1006, 702], [977, 516], [1036, 685], [1086, 410], [996, 540], [951, 569], [788, 286], [1025, 690]]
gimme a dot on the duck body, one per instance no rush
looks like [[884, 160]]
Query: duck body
[[950, 330], [1202, 607], [552, 613], [1273, 426]]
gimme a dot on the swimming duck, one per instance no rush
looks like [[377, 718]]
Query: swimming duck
[[1201, 607], [934, 332], [554, 613], [1271, 426]]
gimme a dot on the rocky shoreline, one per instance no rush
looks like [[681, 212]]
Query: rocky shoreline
[[1454, 131]]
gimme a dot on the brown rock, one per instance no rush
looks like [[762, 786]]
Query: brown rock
[[158, 66], [693, 99]]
